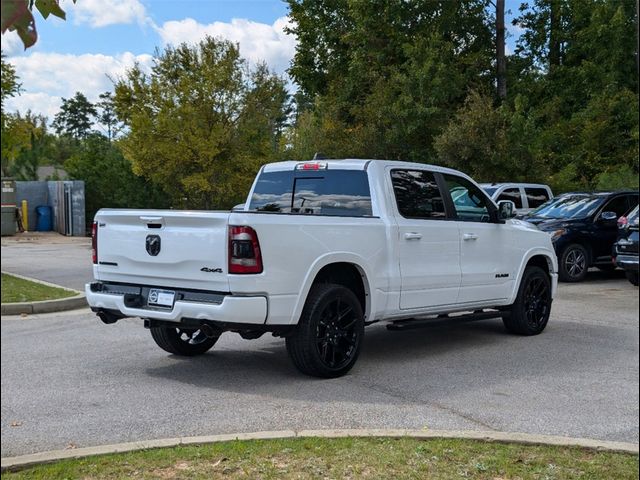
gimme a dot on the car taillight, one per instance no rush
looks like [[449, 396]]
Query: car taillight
[[94, 242], [244, 250]]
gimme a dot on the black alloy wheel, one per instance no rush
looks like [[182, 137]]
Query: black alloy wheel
[[537, 302], [529, 314], [183, 341], [336, 335], [574, 263], [327, 341]]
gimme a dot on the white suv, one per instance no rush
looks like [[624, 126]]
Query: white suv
[[525, 196]]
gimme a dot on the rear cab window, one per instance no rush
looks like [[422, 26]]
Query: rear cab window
[[343, 193], [513, 195], [536, 196], [417, 194]]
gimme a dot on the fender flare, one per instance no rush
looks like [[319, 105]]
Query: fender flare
[[550, 255], [327, 259]]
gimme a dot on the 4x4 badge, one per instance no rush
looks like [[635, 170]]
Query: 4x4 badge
[[153, 245]]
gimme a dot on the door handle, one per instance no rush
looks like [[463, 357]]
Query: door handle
[[469, 236], [412, 236]]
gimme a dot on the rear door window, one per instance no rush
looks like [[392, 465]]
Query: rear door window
[[417, 194], [320, 192], [536, 196], [512, 194]]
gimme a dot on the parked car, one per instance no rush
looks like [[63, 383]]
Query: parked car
[[625, 250], [583, 229], [320, 250], [525, 196]]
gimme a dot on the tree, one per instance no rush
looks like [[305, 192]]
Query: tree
[[197, 125], [16, 15], [33, 152], [501, 60], [107, 116], [10, 85], [384, 77], [75, 117], [491, 143], [109, 180]]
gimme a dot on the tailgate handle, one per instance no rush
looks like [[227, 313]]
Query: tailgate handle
[[153, 222]]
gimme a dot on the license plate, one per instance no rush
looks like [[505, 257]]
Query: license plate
[[161, 298]]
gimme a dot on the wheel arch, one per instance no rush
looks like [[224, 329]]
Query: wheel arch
[[343, 269], [542, 258]]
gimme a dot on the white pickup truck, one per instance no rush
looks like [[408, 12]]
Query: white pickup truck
[[319, 250]]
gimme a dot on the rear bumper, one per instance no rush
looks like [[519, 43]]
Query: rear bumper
[[627, 262], [250, 310]]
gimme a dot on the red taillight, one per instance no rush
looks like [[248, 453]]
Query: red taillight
[[244, 250], [94, 242]]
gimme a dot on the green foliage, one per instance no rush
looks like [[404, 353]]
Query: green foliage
[[109, 180], [33, 151], [407, 80], [106, 115], [17, 16], [9, 82], [487, 142], [385, 76], [200, 125], [75, 117]]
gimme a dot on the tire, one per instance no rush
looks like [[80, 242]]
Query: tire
[[573, 263], [632, 277], [328, 338], [183, 342], [530, 312]]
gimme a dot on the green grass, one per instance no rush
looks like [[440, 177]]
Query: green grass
[[347, 458], [18, 290]]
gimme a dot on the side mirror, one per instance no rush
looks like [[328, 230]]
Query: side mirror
[[238, 208], [506, 209], [609, 217]]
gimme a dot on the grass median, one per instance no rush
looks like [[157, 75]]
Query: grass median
[[16, 289], [347, 458]]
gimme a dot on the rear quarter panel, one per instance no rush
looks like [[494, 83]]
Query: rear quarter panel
[[295, 248]]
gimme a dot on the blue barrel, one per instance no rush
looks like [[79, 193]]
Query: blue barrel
[[44, 221]]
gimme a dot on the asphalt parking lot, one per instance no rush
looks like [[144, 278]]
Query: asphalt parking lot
[[69, 380]]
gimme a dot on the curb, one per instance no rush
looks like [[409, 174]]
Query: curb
[[24, 461], [43, 306]]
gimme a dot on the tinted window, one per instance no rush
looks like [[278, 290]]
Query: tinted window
[[632, 218], [323, 192], [417, 194], [572, 205], [619, 205], [470, 203], [490, 190], [512, 194], [536, 196]]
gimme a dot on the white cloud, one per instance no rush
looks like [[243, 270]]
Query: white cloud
[[101, 13], [258, 41], [48, 77], [11, 44]]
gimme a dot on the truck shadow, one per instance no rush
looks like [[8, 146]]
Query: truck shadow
[[394, 367]]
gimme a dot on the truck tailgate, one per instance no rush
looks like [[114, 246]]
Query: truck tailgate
[[186, 249]]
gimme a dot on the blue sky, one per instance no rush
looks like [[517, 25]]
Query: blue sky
[[102, 38]]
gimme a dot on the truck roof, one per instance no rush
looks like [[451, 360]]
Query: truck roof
[[355, 164]]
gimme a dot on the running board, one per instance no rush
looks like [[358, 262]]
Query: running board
[[445, 319]]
